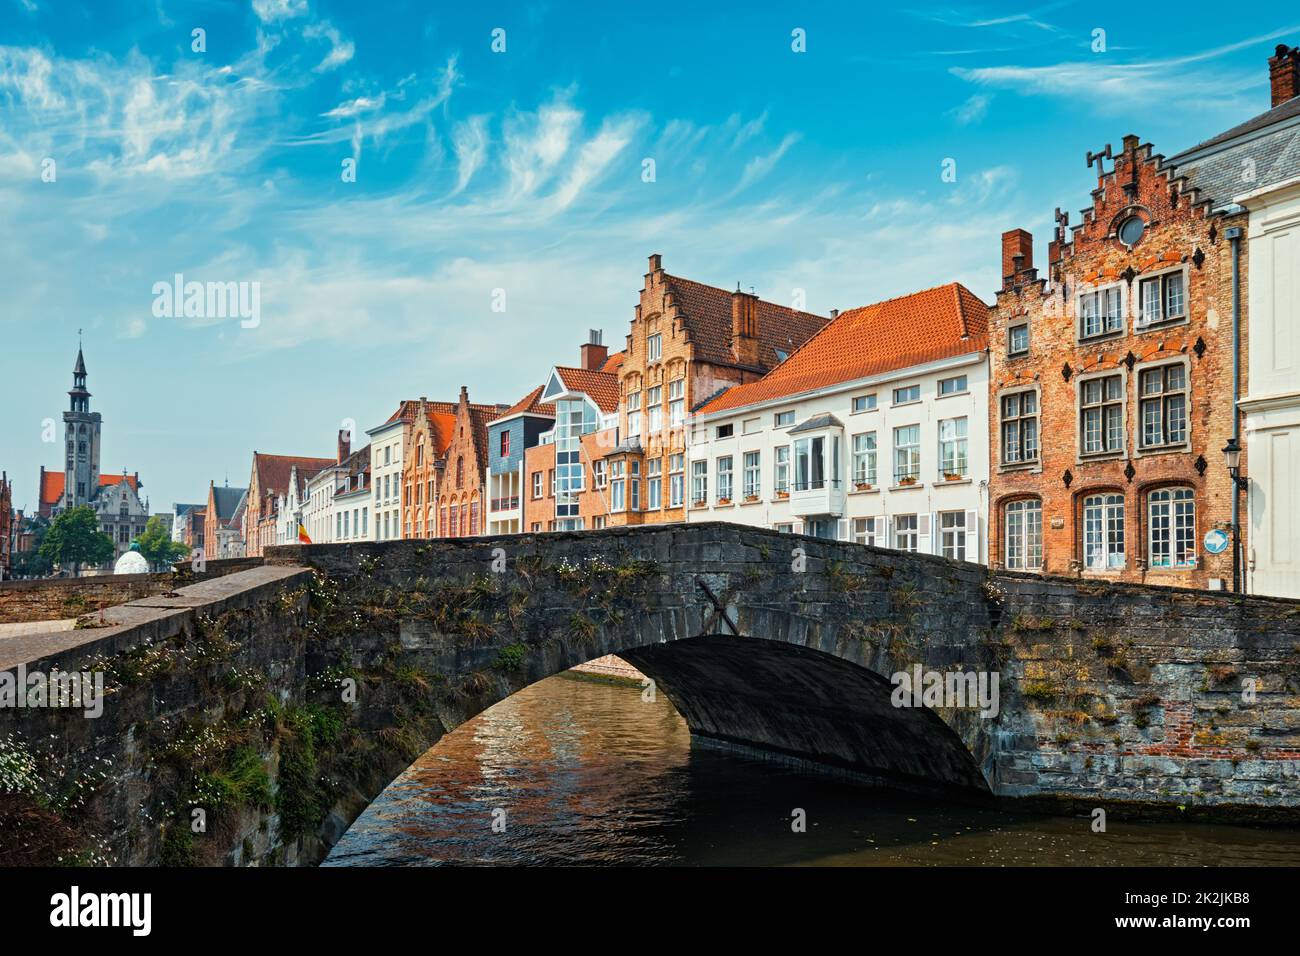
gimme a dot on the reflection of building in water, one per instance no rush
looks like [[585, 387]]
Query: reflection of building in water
[[611, 666]]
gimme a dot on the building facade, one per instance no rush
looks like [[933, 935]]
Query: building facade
[[273, 489], [1111, 385], [873, 431], [222, 531], [519, 428], [687, 342]]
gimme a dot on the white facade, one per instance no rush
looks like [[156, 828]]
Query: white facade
[[386, 452], [1272, 405], [318, 507], [894, 460]]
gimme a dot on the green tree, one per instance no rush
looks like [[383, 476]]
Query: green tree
[[74, 539], [157, 546]]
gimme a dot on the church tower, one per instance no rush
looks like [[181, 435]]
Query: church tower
[[81, 440]]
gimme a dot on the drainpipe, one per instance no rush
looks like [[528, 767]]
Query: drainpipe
[[1238, 564]]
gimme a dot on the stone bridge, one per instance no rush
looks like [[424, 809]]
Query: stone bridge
[[251, 718]]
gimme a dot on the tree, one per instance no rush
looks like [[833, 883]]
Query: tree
[[30, 563], [74, 539], [157, 546]]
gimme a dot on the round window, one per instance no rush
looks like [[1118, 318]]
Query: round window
[[1130, 230]]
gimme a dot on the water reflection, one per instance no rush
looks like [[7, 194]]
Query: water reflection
[[589, 773]]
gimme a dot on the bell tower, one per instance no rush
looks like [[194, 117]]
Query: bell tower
[[81, 441]]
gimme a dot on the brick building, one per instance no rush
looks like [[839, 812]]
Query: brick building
[[8, 526], [431, 427], [1111, 394], [463, 485], [687, 342], [269, 488], [222, 533]]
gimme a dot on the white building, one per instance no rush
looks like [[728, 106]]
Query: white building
[[1272, 405], [387, 445], [875, 430]]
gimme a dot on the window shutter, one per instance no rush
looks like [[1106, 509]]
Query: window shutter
[[973, 552], [923, 522]]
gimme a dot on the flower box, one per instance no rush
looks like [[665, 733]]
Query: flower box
[[907, 480], [783, 494], [724, 501], [751, 498], [863, 486], [948, 477]]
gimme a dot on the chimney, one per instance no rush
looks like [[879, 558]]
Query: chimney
[[345, 444], [1284, 73], [592, 355], [656, 262], [835, 313], [744, 328], [1017, 255]]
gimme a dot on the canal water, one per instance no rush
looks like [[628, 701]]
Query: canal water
[[574, 771]]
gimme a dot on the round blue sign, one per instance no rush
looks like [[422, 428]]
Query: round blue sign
[[1216, 541]]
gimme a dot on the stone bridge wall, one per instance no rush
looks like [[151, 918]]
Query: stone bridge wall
[[280, 701]]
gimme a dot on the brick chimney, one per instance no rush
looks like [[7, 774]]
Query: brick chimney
[[1284, 73], [744, 328], [656, 262], [593, 353], [345, 444], [1017, 255]]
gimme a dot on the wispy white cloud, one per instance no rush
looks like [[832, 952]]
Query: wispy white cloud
[[273, 11], [341, 49], [973, 110]]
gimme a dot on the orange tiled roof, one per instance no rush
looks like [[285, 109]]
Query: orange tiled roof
[[614, 362], [273, 470], [530, 404], [52, 484], [913, 329], [600, 386], [707, 312]]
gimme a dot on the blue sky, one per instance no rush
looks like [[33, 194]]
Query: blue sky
[[523, 171]]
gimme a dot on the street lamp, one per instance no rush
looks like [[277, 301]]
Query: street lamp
[[1240, 483]]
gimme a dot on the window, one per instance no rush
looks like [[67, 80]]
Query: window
[[864, 403], [1100, 312], [782, 419], [634, 486], [653, 482], [1171, 519], [1162, 299], [654, 348], [460, 471], [1101, 414], [505, 445], [1103, 532], [908, 393], [724, 431], [865, 531], [781, 473], [864, 459], [599, 477], [634, 415], [388, 454], [699, 482], [676, 480], [952, 386], [537, 484], [905, 538], [1131, 230], [907, 454], [654, 408], [1018, 339], [676, 401], [597, 522], [1019, 428], [753, 473], [781, 355], [550, 482], [810, 464], [724, 479], [1024, 534], [751, 426], [952, 448], [1163, 405], [952, 534], [785, 528], [616, 486]]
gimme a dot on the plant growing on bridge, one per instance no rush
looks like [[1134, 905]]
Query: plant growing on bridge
[[511, 658]]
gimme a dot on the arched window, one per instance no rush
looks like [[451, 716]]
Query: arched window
[[1022, 523], [1103, 532], [1171, 528], [460, 471]]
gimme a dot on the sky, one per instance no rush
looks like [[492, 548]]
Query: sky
[[429, 195]]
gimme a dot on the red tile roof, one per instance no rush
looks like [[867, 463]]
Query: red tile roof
[[926, 326], [530, 404], [707, 312], [52, 484], [601, 387], [614, 362], [273, 470]]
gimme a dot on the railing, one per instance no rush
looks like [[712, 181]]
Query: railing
[[815, 485], [505, 504]]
